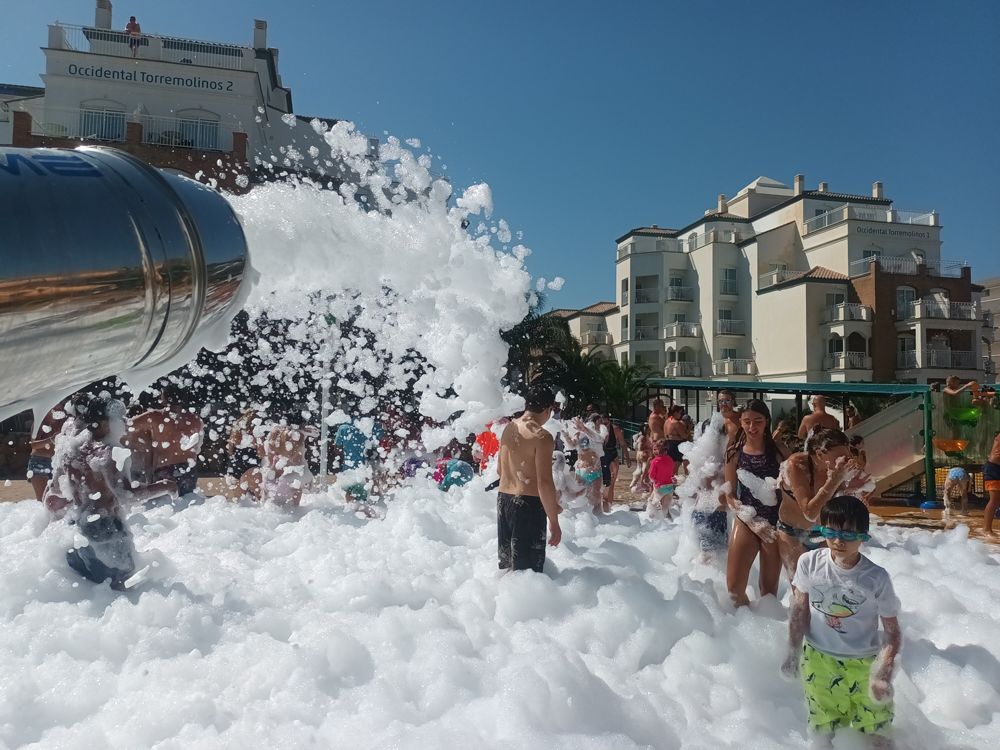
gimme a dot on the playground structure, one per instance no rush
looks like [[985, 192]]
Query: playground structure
[[915, 438]]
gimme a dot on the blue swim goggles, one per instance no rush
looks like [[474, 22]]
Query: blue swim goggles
[[846, 536]]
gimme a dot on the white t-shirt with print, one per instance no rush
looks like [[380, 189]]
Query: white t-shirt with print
[[845, 605]]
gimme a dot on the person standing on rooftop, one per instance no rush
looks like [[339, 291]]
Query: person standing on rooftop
[[134, 33]]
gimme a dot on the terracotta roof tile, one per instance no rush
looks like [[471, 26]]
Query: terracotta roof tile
[[649, 232], [821, 272], [599, 308]]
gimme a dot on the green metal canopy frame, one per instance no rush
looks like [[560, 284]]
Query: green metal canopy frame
[[760, 387]]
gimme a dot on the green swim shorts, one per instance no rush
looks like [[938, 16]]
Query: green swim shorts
[[837, 694]]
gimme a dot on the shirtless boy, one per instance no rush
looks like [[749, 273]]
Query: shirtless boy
[[43, 448], [527, 493], [991, 482], [819, 418], [166, 441], [657, 420]]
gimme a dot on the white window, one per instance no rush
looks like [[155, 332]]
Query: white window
[[835, 346], [682, 355], [907, 343], [676, 281], [834, 298], [624, 359], [102, 120], [725, 314], [729, 354], [624, 292], [778, 266], [905, 297], [624, 327], [872, 252], [679, 318]]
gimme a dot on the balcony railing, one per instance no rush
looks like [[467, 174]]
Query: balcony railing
[[778, 277], [730, 327], [596, 338], [847, 361], [682, 370], [735, 367], [647, 295], [909, 266], [105, 125], [940, 359], [150, 47], [728, 236], [870, 213], [680, 293], [682, 331], [939, 310], [643, 333], [847, 311], [728, 286]]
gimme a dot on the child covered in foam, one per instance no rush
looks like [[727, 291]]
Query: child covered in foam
[[587, 438], [661, 474], [283, 474]]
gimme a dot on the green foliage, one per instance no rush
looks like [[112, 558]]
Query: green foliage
[[869, 405], [623, 387]]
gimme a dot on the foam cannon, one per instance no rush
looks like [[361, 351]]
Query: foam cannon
[[106, 265]]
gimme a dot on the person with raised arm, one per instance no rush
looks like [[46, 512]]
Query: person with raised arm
[[819, 418], [838, 598], [808, 481], [991, 483], [134, 33], [527, 495], [753, 462]]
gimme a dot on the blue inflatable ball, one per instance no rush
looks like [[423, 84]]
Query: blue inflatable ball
[[914, 500], [931, 505]]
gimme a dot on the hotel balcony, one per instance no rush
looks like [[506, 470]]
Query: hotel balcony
[[645, 296], [682, 370], [778, 277], [847, 311], [680, 294], [596, 338], [847, 361], [865, 212], [646, 333], [682, 331], [950, 269], [939, 310], [938, 359], [730, 328], [729, 286], [723, 367], [151, 47]]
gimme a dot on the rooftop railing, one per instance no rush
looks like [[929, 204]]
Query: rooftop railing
[[864, 212], [847, 311], [728, 236], [778, 276], [148, 46], [909, 266]]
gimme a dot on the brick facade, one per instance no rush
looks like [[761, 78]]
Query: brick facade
[[878, 291], [187, 160]]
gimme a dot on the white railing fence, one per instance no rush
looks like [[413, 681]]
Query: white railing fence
[[725, 327], [909, 266], [861, 212], [149, 47], [647, 295], [847, 311], [646, 332], [942, 359], [682, 330], [682, 370], [680, 293], [778, 277], [939, 310], [847, 361], [735, 367]]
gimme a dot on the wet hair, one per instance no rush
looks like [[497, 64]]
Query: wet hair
[[539, 398], [646, 429], [89, 409], [824, 439], [662, 447], [952, 379], [846, 513], [770, 447], [856, 440]]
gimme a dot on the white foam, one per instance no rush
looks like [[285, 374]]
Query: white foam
[[262, 627]]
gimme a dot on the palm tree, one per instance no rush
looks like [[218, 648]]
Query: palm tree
[[623, 387], [536, 339], [576, 374]]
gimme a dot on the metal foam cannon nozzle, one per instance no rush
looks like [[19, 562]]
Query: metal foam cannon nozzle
[[106, 264]]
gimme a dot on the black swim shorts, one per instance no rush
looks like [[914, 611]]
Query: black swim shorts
[[520, 532]]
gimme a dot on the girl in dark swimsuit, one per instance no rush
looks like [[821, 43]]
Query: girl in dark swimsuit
[[610, 461], [754, 451]]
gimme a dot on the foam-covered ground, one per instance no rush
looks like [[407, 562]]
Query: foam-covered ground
[[264, 629]]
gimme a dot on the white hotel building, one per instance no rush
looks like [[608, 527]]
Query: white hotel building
[[787, 284], [178, 103]]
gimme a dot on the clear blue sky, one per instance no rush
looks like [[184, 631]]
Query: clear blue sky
[[588, 119]]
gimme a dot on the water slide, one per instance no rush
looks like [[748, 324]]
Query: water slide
[[962, 436], [893, 443]]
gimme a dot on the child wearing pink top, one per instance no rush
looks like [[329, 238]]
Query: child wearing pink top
[[661, 473]]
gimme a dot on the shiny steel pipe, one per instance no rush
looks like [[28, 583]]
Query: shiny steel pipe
[[106, 264]]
